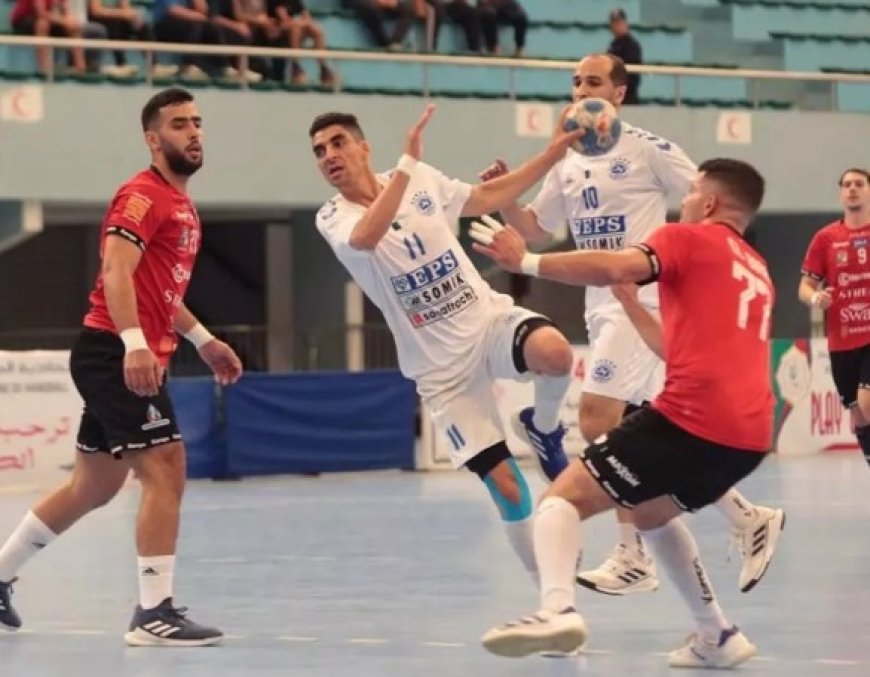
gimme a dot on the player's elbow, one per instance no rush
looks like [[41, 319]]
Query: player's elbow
[[362, 242]]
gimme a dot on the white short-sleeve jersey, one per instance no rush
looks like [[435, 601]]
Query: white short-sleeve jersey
[[614, 200], [433, 298]]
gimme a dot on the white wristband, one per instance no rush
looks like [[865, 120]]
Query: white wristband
[[134, 339], [407, 164], [530, 264], [199, 335]]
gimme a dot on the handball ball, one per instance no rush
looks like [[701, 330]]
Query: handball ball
[[599, 118]]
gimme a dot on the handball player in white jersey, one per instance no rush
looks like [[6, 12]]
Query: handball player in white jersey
[[394, 232], [609, 202]]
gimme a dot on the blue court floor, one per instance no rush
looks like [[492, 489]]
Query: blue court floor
[[398, 574]]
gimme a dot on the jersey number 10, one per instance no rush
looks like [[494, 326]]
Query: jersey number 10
[[755, 286]]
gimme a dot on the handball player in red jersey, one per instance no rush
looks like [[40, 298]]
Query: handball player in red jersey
[[835, 277], [710, 427], [149, 240]]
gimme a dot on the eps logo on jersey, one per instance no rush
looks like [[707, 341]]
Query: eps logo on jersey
[[599, 232], [434, 291]]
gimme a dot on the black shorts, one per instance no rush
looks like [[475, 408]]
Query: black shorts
[[851, 371], [647, 456], [115, 419]]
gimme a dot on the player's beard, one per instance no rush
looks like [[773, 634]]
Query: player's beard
[[179, 164]]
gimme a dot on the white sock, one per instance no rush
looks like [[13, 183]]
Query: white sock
[[630, 538], [155, 579], [30, 536], [558, 543], [549, 393], [736, 509], [519, 534], [677, 551]]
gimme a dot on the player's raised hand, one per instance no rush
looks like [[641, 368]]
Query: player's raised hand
[[822, 298], [414, 143], [496, 169], [142, 372], [222, 360], [502, 244]]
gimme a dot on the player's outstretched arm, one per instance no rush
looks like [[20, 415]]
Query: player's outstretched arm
[[811, 293], [375, 223], [647, 324], [504, 190], [506, 247], [521, 218]]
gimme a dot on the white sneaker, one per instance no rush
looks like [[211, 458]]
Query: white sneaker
[[165, 70], [621, 574], [756, 545], [731, 650], [193, 72], [544, 632]]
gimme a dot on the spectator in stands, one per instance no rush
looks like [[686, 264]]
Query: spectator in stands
[[78, 11], [48, 17], [626, 47], [191, 22], [228, 18], [122, 22], [372, 14], [296, 21], [510, 11], [460, 12]]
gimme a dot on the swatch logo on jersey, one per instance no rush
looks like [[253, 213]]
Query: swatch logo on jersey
[[434, 291], [599, 232]]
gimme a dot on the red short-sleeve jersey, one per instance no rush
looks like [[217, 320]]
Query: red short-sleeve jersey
[[839, 256], [716, 298], [163, 222]]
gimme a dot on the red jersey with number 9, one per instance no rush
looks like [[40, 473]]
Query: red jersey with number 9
[[838, 256], [163, 223], [716, 299]]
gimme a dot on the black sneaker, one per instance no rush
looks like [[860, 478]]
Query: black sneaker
[[164, 625], [9, 618]]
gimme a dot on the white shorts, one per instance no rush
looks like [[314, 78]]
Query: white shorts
[[621, 365], [465, 412]]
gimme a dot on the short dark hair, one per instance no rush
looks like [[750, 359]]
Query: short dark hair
[[854, 170], [168, 97], [739, 178], [346, 120]]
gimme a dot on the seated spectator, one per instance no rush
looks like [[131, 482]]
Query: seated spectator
[[122, 22], [372, 13], [190, 22], [509, 11], [266, 33], [232, 29], [297, 22], [78, 10], [44, 18], [460, 12]]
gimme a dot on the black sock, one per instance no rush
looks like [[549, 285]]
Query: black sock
[[863, 435]]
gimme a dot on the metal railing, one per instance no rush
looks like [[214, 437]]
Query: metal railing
[[151, 49]]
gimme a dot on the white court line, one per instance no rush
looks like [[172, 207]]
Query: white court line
[[234, 636], [835, 661], [367, 640], [763, 658], [321, 558], [292, 638], [80, 631], [596, 652], [446, 645], [223, 560]]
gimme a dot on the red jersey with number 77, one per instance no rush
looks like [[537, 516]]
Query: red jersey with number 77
[[838, 256], [163, 223], [716, 299]]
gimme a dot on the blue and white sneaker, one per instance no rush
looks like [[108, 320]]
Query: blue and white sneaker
[[545, 632], [548, 446], [165, 625], [9, 618], [728, 651]]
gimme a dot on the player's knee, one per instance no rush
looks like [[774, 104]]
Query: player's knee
[[162, 469], [550, 352], [505, 482], [596, 421]]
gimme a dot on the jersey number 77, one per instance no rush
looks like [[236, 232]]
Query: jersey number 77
[[755, 287]]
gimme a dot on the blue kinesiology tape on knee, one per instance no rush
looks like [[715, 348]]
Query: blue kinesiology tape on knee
[[510, 511]]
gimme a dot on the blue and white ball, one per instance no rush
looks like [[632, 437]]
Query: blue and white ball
[[602, 127]]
